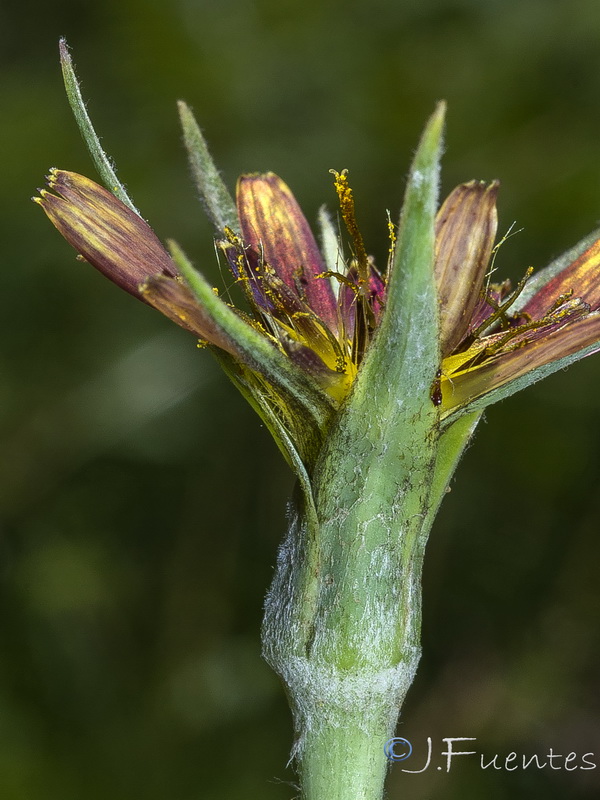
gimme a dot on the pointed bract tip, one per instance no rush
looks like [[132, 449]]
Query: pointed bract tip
[[430, 146], [436, 122], [63, 49], [184, 112]]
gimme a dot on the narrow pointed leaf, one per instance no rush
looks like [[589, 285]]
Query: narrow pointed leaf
[[101, 161], [384, 440], [215, 196], [405, 353]]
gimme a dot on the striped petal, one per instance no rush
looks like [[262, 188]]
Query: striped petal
[[107, 233], [545, 351], [273, 224], [581, 276], [465, 232]]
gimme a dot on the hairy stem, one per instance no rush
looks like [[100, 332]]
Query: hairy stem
[[343, 616]]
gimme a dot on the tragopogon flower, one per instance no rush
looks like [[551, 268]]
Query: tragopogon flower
[[366, 380], [320, 311]]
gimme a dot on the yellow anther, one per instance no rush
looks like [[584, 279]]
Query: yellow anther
[[346, 201], [560, 300], [393, 239], [500, 309]]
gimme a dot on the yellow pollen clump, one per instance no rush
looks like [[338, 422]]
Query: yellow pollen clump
[[346, 200], [393, 238]]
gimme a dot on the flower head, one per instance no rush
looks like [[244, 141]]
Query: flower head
[[313, 316], [323, 319]]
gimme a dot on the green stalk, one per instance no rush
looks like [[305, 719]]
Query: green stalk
[[342, 624], [343, 618]]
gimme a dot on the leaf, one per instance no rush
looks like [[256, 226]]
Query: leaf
[[218, 203], [103, 164], [404, 357]]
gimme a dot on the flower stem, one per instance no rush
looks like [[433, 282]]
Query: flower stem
[[342, 629], [343, 616], [344, 763]]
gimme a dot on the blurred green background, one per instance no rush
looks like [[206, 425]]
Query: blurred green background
[[141, 500]]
